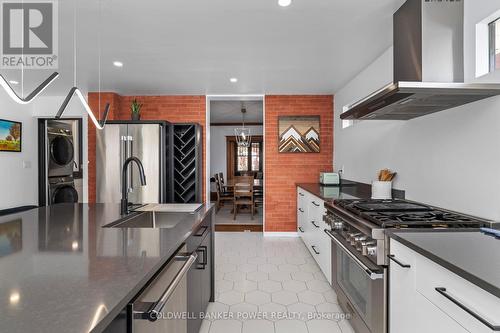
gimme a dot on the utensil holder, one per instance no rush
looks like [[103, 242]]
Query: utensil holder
[[381, 190]]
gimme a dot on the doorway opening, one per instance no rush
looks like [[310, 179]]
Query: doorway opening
[[235, 159]]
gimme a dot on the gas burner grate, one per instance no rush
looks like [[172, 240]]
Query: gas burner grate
[[414, 219]]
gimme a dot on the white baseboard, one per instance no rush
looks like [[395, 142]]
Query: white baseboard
[[281, 234]]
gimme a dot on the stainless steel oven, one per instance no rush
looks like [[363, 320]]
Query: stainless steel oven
[[360, 286]]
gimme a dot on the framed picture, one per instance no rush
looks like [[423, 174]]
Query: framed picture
[[10, 135], [298, 134], [11, 239]]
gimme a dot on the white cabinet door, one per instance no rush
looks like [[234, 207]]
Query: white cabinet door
[[401, 289], [416, 306], [410, 311], [429, 318]]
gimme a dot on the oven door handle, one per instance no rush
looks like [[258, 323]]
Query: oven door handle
[[371, 274]]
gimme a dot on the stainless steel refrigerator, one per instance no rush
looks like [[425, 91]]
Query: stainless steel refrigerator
[[146, 140]]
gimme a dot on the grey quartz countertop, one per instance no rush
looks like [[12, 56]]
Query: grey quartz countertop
[[473, 255], [61, 271], [346, 190]]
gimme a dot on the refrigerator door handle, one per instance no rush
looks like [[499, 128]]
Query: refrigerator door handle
[[130, 153], [123, 152]]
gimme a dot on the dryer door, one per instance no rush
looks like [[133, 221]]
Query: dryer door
[[61, 150]]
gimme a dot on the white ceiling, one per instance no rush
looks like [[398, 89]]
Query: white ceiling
[[195, 46], [230, 111]]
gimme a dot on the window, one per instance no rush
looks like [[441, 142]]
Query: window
[[255, 156], [242, 159], [249, 158], [494, 45]]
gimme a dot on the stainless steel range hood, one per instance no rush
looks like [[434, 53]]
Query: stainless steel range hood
[[428, 66]]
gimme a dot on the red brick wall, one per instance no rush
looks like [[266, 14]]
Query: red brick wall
[[175, 109], [284, 170]]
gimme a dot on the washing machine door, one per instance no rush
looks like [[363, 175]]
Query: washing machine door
[[65, 194], [62, 150]]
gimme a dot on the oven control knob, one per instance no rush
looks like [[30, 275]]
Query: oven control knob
[[351, 235], [357, 239], [365, 244], [338, 225], [371, 250]]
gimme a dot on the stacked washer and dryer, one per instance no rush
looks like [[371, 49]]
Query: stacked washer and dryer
[[60, 161]]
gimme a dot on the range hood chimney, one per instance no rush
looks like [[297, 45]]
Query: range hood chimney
[[428, 65]]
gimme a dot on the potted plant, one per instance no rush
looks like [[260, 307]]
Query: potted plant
[[135, 108]]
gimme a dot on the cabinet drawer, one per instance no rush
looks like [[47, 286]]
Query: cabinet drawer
[[455, 295], [316, 208]]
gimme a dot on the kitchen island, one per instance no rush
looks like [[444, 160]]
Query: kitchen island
[[62, 270]]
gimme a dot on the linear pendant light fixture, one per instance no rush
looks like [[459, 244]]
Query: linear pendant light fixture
[[26, 100], [99, 124]]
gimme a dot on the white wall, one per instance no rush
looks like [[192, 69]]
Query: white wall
[[450, 159], [20, 185], [218, 136]]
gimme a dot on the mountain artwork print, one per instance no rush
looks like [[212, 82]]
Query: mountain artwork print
[[298, 134]]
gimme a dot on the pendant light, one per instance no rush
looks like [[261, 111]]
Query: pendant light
[[6, 86], [243, 134], [99, 124], [37, 91]]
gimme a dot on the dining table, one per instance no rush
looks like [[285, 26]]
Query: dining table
[[257, 183]]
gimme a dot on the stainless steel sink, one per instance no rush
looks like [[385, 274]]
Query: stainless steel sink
[[149, 219], [169, 208]]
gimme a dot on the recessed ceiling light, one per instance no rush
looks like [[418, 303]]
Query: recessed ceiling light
[[233, 80], [13, 82], [118, 63], [284, 3]]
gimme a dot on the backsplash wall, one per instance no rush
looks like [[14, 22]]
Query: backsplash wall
[[449, 159]]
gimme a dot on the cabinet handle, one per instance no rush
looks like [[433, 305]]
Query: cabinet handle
[[301, 194], [393, 258], [300, 228], [301, 210], [443, 292], [314, 224], [314, 249], [315, 204], [203, 249]]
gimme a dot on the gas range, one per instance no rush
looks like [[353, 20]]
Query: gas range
[[361, 222], [360, 250]]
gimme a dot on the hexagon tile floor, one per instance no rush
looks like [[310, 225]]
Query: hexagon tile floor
[[270, 285]]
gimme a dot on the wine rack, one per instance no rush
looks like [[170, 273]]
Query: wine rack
[[186, 163]]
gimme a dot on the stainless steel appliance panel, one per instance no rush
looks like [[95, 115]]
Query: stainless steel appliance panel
[[160, 308], [360, 289], [144, 143], [111, 152]]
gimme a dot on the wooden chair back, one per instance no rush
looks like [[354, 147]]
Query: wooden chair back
[[243, 188]]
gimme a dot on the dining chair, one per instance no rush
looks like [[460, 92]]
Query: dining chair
[[222, 195], [243, 194]]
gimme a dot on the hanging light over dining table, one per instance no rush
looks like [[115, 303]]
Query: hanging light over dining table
[[243, 134]]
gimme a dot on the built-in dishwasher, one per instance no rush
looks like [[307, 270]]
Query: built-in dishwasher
[[163, 304]]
